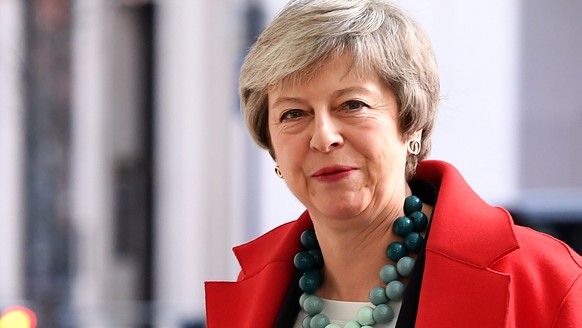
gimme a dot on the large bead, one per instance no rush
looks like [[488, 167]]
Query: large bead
[[312, 305], [419, 221], [395, 290], [319, 321], [412, 204], [352, 324], [366, 316], [307, 322], [333, 325], [310, 281], [383, 313], [308, 239], [403, 226], [388, 273], [302, 299], [413, 242], [395, 251], [304, 261], [378, 295], [405, 266]]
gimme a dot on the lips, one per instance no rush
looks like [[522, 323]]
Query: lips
[[333, 173], [331, 170]]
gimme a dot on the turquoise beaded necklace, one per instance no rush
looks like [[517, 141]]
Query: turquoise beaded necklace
[[310, 261]]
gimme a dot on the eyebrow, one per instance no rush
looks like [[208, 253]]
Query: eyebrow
[[357, 89], [287, 99], [335, 94]]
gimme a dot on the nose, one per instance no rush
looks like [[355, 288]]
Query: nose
[[326, 135]]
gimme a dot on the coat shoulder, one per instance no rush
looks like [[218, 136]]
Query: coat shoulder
[[277, 245], [538, 247], [545, 274]]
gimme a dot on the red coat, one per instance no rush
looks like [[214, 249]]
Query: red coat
[[481, 270]]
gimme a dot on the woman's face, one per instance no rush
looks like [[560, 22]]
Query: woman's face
[[337, 142]]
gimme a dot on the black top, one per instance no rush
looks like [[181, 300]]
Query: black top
[[287, 316]]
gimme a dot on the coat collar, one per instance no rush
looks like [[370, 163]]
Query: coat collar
[[467, 236], [458, 288], [465, 228], [266, 272]]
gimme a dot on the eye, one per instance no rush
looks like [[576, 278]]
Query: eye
[[354, 105], [291, 114]]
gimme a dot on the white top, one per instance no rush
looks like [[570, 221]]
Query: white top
[[340, 312]]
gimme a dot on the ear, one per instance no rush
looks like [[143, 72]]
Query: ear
[[416, 135]]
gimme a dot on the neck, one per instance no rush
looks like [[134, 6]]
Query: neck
[[354, 253], [353, 256]]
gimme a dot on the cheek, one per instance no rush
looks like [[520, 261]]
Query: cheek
[[286, 142], [388, 153], [291, 156], [288, 152]]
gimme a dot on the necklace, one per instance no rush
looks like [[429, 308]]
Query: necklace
[[310, 261]]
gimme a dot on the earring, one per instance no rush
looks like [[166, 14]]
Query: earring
[[413, 146], [278, 171]]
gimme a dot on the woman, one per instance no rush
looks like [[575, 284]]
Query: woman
[[343, 95]]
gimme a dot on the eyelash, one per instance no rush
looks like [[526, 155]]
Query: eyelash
[[286, 114], [360, 104], [297, 113]]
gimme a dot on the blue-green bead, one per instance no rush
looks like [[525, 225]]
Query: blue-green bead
[[352, 324], [317, 256], [395, 290], [403, 226], [308, 239], [333, 325], [395, 251], [388, 273], [383, 313], [313, 305], [413, 242], [319, 321], [304, 261], [378, 295], [366, 315], [419, 221], [412, 204], [405, 266], [310, 281], [302, 299], [366, 326], [307, 321]]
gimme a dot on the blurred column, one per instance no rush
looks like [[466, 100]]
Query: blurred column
[[11, 152], [91, 194], [47, 116], [550, 175], [111, 164], [551, 111], [194, 110]]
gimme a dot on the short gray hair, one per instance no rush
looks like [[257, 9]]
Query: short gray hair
[[380, 39]]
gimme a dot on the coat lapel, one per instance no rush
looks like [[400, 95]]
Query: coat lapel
[[252, 302], [456, 294], [467, 236], [266, 271]]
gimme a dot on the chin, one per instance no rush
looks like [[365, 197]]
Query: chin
[[343, 212]]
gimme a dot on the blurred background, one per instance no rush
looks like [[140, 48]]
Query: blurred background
[[126, 173]]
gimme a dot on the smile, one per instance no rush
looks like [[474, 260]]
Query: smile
[[333, 173]]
